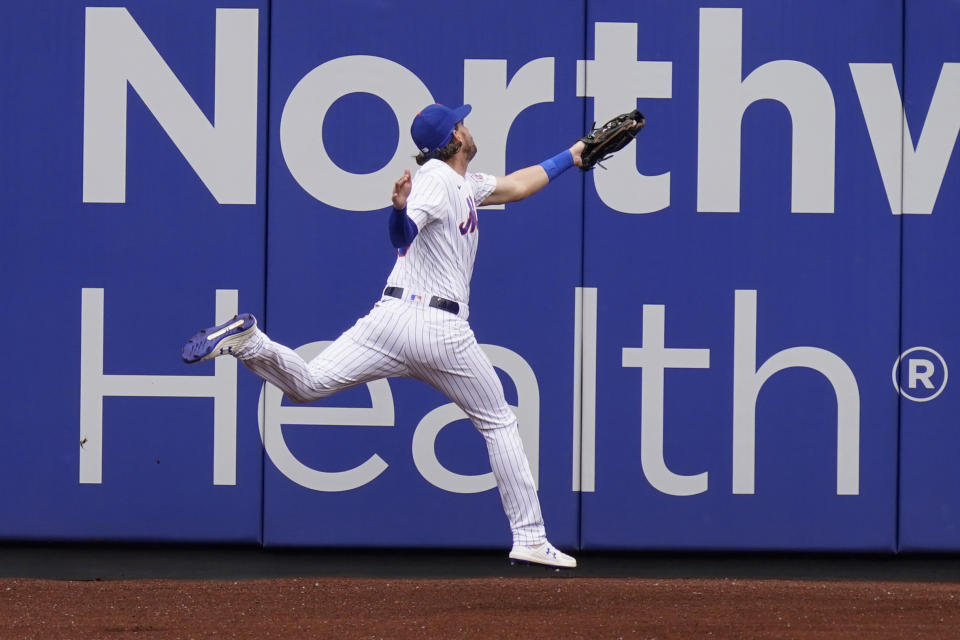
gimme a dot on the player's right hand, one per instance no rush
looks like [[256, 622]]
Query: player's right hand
[[401, 189], [577, 152]]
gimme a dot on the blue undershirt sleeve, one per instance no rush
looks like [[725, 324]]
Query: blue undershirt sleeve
[[557, 164], [402, 229]]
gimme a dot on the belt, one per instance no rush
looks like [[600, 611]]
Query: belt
[[435, 301]]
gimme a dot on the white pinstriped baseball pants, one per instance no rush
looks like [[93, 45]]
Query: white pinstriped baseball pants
[[401, 338]]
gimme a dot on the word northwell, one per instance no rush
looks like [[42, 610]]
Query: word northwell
[[224, 154]]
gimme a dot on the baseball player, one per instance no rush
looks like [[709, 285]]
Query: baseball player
[[419, 327]]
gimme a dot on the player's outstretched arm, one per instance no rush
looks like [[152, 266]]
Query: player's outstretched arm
[[526, 182]]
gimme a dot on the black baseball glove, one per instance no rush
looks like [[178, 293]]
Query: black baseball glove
[[603, 142]]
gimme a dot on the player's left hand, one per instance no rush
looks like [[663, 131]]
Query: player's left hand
[[401, 189], [602, 142]]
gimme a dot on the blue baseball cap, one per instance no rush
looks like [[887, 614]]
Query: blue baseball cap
[[433, 127]]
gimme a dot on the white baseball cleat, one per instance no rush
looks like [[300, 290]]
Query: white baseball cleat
[[219, 340], [545, 554]]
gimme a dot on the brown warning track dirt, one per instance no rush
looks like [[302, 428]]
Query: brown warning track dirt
[[489, 607]]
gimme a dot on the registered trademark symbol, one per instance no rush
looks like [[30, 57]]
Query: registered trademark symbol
[[923, 370]]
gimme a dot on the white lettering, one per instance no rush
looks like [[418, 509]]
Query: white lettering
[[497, 103], [274, 415], [654, 359], [748, 380], [921, 370], [223, 155], [301, 129], [95, 385], [615, 79], [585, 389], [919, 169], [723, 99]]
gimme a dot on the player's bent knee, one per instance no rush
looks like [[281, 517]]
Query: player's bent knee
[[300, 398], [304, 396]]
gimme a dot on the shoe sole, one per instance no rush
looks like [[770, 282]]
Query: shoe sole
[[515, 560], [213, 342]]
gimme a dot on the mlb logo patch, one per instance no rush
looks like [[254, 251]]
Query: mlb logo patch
[[414, 297]]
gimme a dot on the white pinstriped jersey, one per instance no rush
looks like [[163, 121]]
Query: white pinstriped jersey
[[443, 204], [407, 337]]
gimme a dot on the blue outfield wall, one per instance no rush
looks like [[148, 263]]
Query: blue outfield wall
[[747, 302], [112, 250], [702, 341], [929, 439]]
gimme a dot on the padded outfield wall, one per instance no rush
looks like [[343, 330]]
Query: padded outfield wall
[[735, 336]]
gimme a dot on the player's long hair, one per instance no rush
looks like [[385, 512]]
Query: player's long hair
[[442, 155]]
